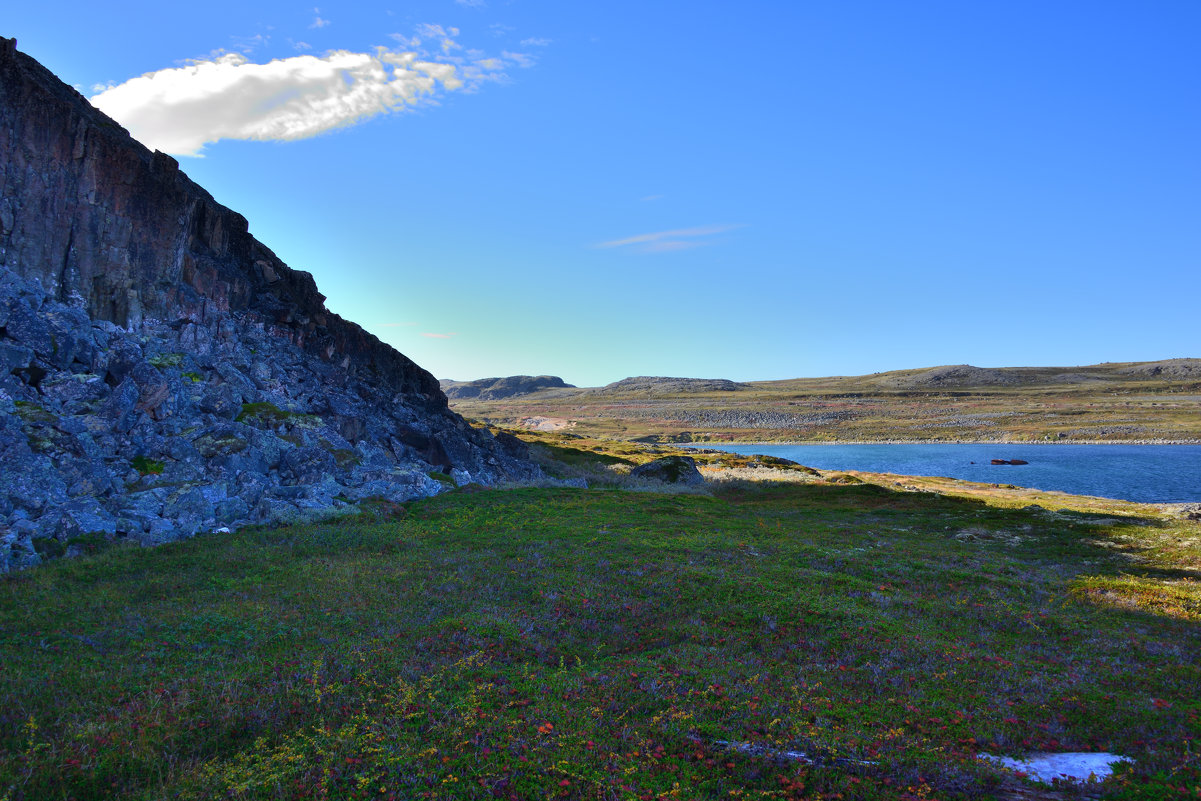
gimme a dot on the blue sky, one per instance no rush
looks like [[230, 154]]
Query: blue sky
[[750, 190]]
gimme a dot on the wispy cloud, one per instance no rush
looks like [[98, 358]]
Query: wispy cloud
[[394, 325], [318, 22], [535, 42], [520, 59], [443, 35], [649, 198], [676, 239], [226, 96], [247, 44], [472, 3], [439, 336]]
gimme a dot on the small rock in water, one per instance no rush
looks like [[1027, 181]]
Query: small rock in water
[[1068, 766]]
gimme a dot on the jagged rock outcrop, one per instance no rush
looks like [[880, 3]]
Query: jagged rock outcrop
[[162, 372], [501, 388]]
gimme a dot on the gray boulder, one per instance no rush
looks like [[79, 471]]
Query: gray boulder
[[670, 470]]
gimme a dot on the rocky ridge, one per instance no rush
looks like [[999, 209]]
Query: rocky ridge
[[954, 375], [162, 373], [501, 388], [668, 385], [1172, 369]]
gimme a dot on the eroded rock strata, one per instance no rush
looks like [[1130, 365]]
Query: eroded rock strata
[[163, 373]]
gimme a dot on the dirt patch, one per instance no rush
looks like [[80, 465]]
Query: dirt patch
[[545, 423]]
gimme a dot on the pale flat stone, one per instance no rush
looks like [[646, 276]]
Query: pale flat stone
[[1070, 766]]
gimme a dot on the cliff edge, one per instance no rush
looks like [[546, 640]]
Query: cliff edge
[[162, 372]]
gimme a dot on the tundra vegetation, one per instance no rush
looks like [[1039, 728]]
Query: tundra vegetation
[[614, 642], [1130, 402]]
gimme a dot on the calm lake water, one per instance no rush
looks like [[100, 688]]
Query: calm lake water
[[1145, 473]]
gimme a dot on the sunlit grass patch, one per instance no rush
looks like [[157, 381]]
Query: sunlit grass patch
[[1179, 598]]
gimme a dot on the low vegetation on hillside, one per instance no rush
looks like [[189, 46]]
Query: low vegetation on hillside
[[617, 643], [1143, 401]]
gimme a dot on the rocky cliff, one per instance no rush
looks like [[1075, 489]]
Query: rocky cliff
[[164, 373]]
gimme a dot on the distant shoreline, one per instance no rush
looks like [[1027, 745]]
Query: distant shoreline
[[944, 442]]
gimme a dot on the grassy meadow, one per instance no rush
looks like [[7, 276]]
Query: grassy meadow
[[547, 642]]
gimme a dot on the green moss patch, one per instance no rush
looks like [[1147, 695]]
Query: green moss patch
[[265, 413], [166, 360], [147, 466]]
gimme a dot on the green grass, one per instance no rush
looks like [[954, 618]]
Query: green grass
[[557, 643]]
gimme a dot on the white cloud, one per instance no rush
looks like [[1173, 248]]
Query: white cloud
[[439, 336], [472, 3], [317, 21], [300, 47], [664, 241], [535, 42], [226, 96]]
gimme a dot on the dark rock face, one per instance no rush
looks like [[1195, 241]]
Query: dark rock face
[[501, 388], [162, 373], [670, 470], [100, 221]]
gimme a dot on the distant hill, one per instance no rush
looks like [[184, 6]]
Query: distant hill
[[960, 376], [923, 379], [955, 375], [1169, 368], [1113, 402], [501, 388], [666, 385]]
